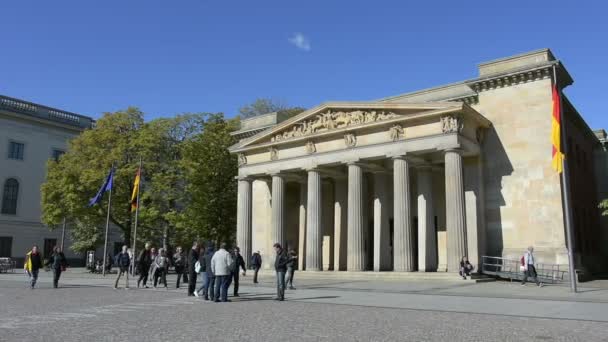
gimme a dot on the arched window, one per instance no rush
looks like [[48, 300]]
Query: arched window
[[9, 196]]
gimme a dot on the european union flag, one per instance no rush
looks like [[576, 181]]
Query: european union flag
[[107, 186]]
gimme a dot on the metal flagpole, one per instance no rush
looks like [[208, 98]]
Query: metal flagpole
[[63, 234], [566, 189], [105, 245], [136, 216]]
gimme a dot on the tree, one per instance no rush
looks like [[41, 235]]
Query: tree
[[210, 172], [263, 106], [120, 138], [604, 205]]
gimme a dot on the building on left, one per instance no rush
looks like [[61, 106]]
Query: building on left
[[31, 134]]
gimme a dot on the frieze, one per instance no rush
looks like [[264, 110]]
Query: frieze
[[332, 120], [451, 124], [350, 140], [395, 132]]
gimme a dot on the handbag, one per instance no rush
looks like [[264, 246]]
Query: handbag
[[197, 267]]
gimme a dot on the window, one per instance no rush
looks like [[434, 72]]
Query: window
[[15, 150], [9, 196], [57, 154], [49, 244], [6, 245]]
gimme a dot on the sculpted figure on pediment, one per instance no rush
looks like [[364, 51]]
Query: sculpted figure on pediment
[[341, 119], [242, 159], [350, 140], [395, 132], [274, 153], [310, 147]]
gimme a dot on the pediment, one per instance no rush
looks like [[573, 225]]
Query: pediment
[[340, 117]]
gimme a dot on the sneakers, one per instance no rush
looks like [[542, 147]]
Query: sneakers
[[196, 294], [540, 285]]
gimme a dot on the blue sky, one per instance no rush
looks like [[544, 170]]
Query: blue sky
[[170, 57]]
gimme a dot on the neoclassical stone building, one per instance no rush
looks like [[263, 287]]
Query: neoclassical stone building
[[416, 181]]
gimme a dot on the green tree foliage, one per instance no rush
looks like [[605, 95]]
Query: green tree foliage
[[604, 205], [209, 174], [169, 183]]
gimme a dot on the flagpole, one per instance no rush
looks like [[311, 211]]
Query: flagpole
[[105, 245], [566, 190], [136, 216]]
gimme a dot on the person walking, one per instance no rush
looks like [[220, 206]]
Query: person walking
[[161, 265], [33, 263], [123, 261], [528, 267], [208, 276], [256, 264], [238, 262], [179, 262], [143, 265], [58, 263], [152, 269], [280, 266], [201, 271], [291, 267], [192, 259], [221, 267]]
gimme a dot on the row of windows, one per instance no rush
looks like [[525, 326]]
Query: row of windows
[[16, 151]]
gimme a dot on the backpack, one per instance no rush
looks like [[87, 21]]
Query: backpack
[[197, 267]]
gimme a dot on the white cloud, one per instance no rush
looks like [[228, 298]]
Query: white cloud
[[300, 41]]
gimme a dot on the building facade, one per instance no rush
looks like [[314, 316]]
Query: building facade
[[416, 181], [30, 135]]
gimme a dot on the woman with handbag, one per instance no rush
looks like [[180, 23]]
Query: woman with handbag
[[58, 264]]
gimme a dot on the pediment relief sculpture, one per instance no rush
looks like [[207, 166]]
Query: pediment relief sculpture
[[451, 124], [332, 120]]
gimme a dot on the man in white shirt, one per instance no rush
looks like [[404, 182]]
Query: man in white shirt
[[221, 266], [529, 269]]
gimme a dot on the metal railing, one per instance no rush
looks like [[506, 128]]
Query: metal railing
[[7, 264], [511, 269], [39, 111]]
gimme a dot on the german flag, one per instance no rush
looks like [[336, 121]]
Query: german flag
[[556, 132], [135, 194]]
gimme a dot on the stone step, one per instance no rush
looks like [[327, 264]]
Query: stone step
[[369, 275]]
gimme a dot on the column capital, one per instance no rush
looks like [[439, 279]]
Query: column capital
[[244, 178], [453, 150]]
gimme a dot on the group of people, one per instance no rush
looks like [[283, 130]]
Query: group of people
[[34, 262]]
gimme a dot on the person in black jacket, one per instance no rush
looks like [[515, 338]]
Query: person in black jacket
[[256, 264], [280, 266], [192, 259], [58, 264], [208, 276], [143, 265], [123, 261], [238, 262]]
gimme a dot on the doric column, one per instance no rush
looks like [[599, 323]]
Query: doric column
[[455, 209], [302, 228], [427, 236], [355, 257], [278, 212], [313, 223], [243, 218], [403, 245], [381, 223]]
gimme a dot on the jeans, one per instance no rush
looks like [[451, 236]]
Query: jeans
[[56, 275], [181, 274], [202, 286], [290, 273], [221, 288], [255, 274], [122, 271], [191, 282], [33, 278], [281, 285], [209, 286], [530, 272]]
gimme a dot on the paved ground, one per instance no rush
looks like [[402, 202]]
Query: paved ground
[[86, 308]]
